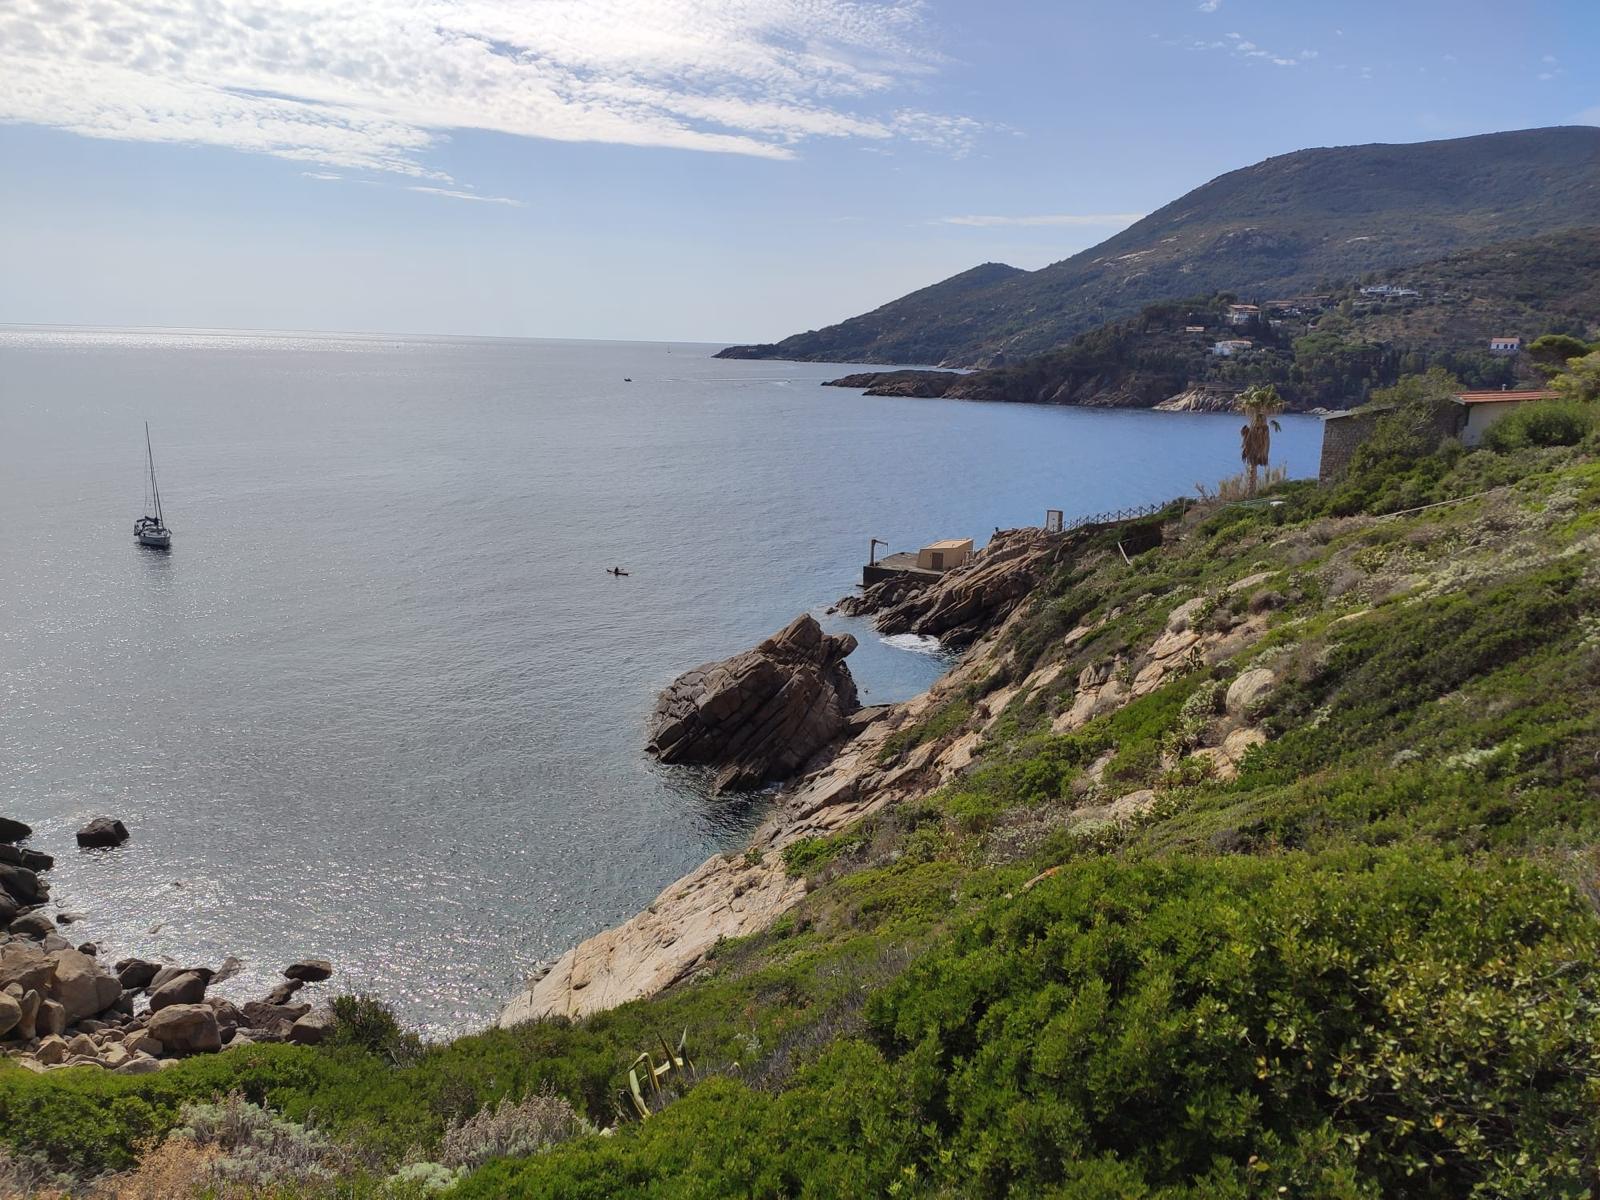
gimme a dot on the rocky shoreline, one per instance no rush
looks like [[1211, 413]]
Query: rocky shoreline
[[62, 1006], [854, 774], [901, 752]]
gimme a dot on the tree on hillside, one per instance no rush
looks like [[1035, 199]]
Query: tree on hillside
[[1551, 352], [1260, 404], [1581, 379]]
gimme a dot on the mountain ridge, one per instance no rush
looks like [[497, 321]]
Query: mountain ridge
[[1332, 356], [1288, 222]]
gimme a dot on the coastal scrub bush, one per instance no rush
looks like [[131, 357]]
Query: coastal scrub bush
[[1397, 1024], [1546, 423], [808, 855], [366, 1023], [249, 1147], [512, 1130], [1380, 671]]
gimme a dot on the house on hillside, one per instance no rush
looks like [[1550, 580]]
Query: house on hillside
[[1194, 328], [1389, 291], [1228, 347], [1505, 345], [1243, 314], [1466, 415], [1480, 410]]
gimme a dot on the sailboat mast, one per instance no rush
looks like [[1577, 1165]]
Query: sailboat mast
[[150, 455]]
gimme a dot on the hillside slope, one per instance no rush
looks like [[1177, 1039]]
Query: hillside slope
[[1332, 355], [1286, 224], [1260, 861]]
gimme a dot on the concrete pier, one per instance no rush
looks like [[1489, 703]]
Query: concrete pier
[[892, 565]]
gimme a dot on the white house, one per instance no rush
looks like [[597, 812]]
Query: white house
[[1480, 410], [1242, 314], [1231, 346], [1505, 345], [1389, 290]]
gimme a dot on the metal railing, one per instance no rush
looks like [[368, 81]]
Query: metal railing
[[1114, 516]]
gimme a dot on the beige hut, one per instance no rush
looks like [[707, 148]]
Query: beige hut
[[945, 556]]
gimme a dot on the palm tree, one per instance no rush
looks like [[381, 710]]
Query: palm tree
[[1260, 404]]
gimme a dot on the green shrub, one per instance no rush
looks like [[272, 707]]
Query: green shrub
[[808, 855], [1400, 1025], [1545, 423], [367, 1023]]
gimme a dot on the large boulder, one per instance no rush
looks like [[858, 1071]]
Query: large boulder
[[103, 831], [21, 856], [10, 1014], [22, 885], [309, 970], [136, 973], [313, 1028], [284, 992], [1247, 691], [187, 988], [52, 1049], [261, 1015], [52, 1018], [82, 986], [13, 831], [761, 714], [26, 965], [36, 924], [167, 974], [28, 1008], [186, 1029]]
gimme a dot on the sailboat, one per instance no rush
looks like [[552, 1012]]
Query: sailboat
[[151, 531]]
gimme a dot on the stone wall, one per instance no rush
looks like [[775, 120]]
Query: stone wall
[[1341, 434]]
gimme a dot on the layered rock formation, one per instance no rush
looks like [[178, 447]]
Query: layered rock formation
[[733, 895], [762, 714], [891, 755], [961, 605]]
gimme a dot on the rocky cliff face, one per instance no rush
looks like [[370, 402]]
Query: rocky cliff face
[[733, 895], [961, 605], [762, 714], [901, 753]]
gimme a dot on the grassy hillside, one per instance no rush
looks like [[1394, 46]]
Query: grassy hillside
[[1275, 875], [1331, 358], [1289, 223]]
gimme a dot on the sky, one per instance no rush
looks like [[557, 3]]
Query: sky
[[681, 170]]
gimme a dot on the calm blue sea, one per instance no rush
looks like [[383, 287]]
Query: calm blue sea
[[381, 702]]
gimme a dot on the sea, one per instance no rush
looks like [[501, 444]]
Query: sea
[[381, 702]]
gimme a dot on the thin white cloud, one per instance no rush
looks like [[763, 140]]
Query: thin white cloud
[[1242, 47], [323, 175], [1209, 6], [375, 84], [453, 194], [1093, 219]]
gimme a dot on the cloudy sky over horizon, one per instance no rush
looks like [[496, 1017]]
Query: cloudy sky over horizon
[[680, 169]]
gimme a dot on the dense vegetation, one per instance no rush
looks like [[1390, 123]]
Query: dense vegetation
[[1334, 357], [1367, 964], [1288, 224]]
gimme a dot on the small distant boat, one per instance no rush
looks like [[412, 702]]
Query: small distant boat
[[627, 379], [148, 530], [617, 571]]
